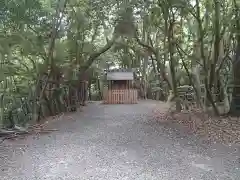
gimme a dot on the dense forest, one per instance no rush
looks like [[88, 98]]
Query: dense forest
[[50, 49]]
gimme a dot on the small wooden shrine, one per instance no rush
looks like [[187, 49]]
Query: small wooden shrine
[[119, 87]]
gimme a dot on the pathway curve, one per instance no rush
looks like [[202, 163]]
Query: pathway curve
[[111, 142]]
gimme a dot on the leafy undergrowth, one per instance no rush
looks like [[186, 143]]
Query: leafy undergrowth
[[225, 130]]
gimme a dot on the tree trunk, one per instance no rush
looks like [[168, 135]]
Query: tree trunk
[[89, 91], [208, 96], [172, 65], [235, 104], [99, 89]]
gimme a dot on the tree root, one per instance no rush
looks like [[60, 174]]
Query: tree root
[[6, 134]]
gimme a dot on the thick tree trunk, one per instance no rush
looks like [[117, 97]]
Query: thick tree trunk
[[235, 104], [172, 65]]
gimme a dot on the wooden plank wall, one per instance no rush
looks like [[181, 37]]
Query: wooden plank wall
[[121, 96]]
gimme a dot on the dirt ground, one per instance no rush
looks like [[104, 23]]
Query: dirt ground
[[117, 142]]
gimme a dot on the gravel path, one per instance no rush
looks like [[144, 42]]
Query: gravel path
[[111, 142]]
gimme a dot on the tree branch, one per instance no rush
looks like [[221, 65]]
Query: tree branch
[[95, 55], [186, 54], [151, 49]]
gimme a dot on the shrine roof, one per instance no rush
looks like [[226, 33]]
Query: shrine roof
[[120, 74]]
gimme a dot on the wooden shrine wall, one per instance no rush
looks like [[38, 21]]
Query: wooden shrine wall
[[120, 96]]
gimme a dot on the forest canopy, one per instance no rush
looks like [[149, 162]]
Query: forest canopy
[[48, 47]]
